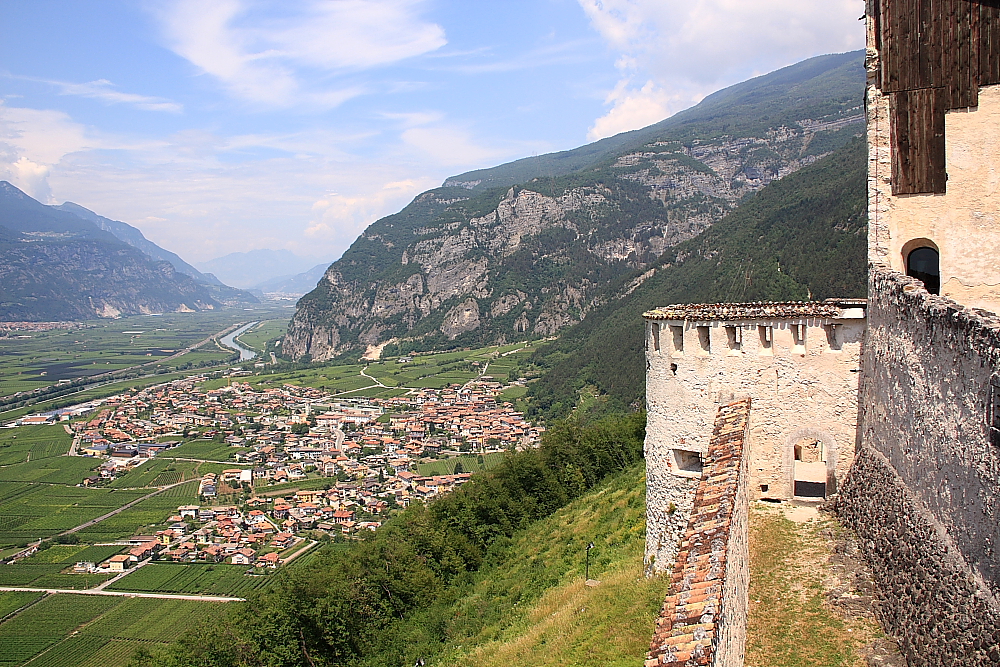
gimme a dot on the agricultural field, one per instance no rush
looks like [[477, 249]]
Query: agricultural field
[[432, 371], [207, 450], [470, 463], [259, 336], [66, 630], [33, 443], [194, 579], [52, 567], [36, 358], [31, 511], [53, 470], [11, 601], [145, 517], [159, 471]]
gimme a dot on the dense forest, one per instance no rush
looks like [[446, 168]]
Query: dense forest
[[803, 237], [391, 598]]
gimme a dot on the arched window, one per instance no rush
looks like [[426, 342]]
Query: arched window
[[924, 264]]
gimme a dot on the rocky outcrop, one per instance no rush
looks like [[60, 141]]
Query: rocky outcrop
[[462, 265]]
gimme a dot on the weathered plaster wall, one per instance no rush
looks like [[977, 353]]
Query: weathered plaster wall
[[669, 499], [704, 615], [927, 368], [964, 223], [799, 391], [924, 493]]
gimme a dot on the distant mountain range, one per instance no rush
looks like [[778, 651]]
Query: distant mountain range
[[531, 247], [257, 268], [295, 285], [128, 234], [66, 262]]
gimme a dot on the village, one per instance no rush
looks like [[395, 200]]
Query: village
[[304, 464]]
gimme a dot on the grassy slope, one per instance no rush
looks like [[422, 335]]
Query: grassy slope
[[529, 606], [803, 236]]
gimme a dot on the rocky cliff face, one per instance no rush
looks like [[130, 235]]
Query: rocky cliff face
[[465, 266]]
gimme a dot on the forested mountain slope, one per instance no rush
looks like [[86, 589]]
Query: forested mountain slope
[[803, 237], [469, 264]]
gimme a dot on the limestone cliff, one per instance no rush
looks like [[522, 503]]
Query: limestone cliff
[[467, 265]]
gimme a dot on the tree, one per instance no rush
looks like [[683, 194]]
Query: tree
[[458, 468]]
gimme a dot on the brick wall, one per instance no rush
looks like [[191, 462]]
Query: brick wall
[[703, 620]]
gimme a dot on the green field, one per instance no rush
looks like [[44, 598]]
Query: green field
[[159, 471], [470, 463], [51, 568], [432, 371], [31, 511], [11, 601], [32, 443], [143, 518], [194, 579], [68, 630]]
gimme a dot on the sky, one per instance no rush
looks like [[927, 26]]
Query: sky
[[219, 126]]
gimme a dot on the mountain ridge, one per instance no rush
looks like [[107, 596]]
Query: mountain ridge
[[55, 265], [467, 266], [134, 237]]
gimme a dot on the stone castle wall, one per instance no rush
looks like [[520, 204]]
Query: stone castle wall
[[924, 493], [704, 616]]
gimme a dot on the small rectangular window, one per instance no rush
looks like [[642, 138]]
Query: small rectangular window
[[993, 411], [677, 334], [656, 337], [705, 339], [688, 463], [798, 338], [735, 337], [765, 339]]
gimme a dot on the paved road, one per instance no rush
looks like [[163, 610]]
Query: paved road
[[123, 594], [301, 551], [119, 510]]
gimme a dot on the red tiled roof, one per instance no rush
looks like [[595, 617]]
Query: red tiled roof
[[687, 631]]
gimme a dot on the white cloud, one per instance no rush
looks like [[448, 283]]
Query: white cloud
[[341, 218], [104, 90], [680, 51], [262, 52]]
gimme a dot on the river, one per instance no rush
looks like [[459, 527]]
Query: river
[[230, 342]]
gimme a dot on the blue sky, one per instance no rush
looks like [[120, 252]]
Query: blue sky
[[217, 126]]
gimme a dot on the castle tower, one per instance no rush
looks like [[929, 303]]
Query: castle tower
[[797, 362], [923, 494]]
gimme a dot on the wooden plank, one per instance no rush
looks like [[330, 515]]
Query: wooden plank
[[917, 127], [989, 43]]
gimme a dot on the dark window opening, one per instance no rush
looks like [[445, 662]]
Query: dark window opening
[[656, 337], [688, 461], [810, 489], [924, 264], [764, 488]]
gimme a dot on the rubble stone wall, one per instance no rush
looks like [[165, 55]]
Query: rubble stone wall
[[924, 492]]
